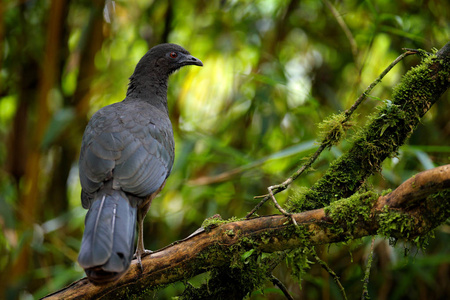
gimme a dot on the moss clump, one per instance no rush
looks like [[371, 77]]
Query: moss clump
[[298, 202], [298, 261], [248, 271], [438, 207], [385, 192], [333, 129], [397, 225], [215, 221], [230, 232], [351, 212]]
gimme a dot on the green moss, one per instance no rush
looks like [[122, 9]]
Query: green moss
[[298, 201], [302, 233], [351, 212], [230, 232], [397, 225], [247, 271], [333, 129], [385, 192], [246, 267], [265, 238], [216, 220], [298, 261]]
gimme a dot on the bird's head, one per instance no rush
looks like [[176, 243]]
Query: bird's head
[[152, 72], [167, 58]]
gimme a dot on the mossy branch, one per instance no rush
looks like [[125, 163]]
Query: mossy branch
[[413, 209], [334, 128], [386, 131]]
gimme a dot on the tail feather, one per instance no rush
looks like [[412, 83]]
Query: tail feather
[[108, 240]]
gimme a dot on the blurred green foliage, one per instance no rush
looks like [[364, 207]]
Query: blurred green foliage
[[273, 69]]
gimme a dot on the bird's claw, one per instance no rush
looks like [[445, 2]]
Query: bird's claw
[[138, 256]]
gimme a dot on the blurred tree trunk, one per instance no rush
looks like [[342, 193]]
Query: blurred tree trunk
[[68, 142], [2, 38], [91, 43], [29, 207], [27, 158], [167, 22]]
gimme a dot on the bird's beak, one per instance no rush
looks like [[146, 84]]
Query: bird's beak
[[188, 59]]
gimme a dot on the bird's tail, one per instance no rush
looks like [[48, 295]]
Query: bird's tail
[[107, 246]]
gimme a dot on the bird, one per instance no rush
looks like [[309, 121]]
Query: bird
[[127, 153]]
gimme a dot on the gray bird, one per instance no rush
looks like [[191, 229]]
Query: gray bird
[[126, 155]]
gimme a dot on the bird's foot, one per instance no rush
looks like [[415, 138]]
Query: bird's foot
[[138, 255]]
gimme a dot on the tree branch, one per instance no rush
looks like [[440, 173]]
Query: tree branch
[[225, 243], [385, 132], [406, 109]]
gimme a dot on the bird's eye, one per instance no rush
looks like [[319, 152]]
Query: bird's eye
[[173, 54]]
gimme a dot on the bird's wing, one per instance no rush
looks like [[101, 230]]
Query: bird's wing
[[130, 143]]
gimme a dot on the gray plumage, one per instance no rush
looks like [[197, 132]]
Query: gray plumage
[[126, 155]]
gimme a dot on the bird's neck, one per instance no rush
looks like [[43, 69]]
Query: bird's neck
[[151, 89]]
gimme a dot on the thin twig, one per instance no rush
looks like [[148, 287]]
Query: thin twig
[[363, 96], [332, 273], [279, 206], [275, 189], [365, 292], [281, 286]]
